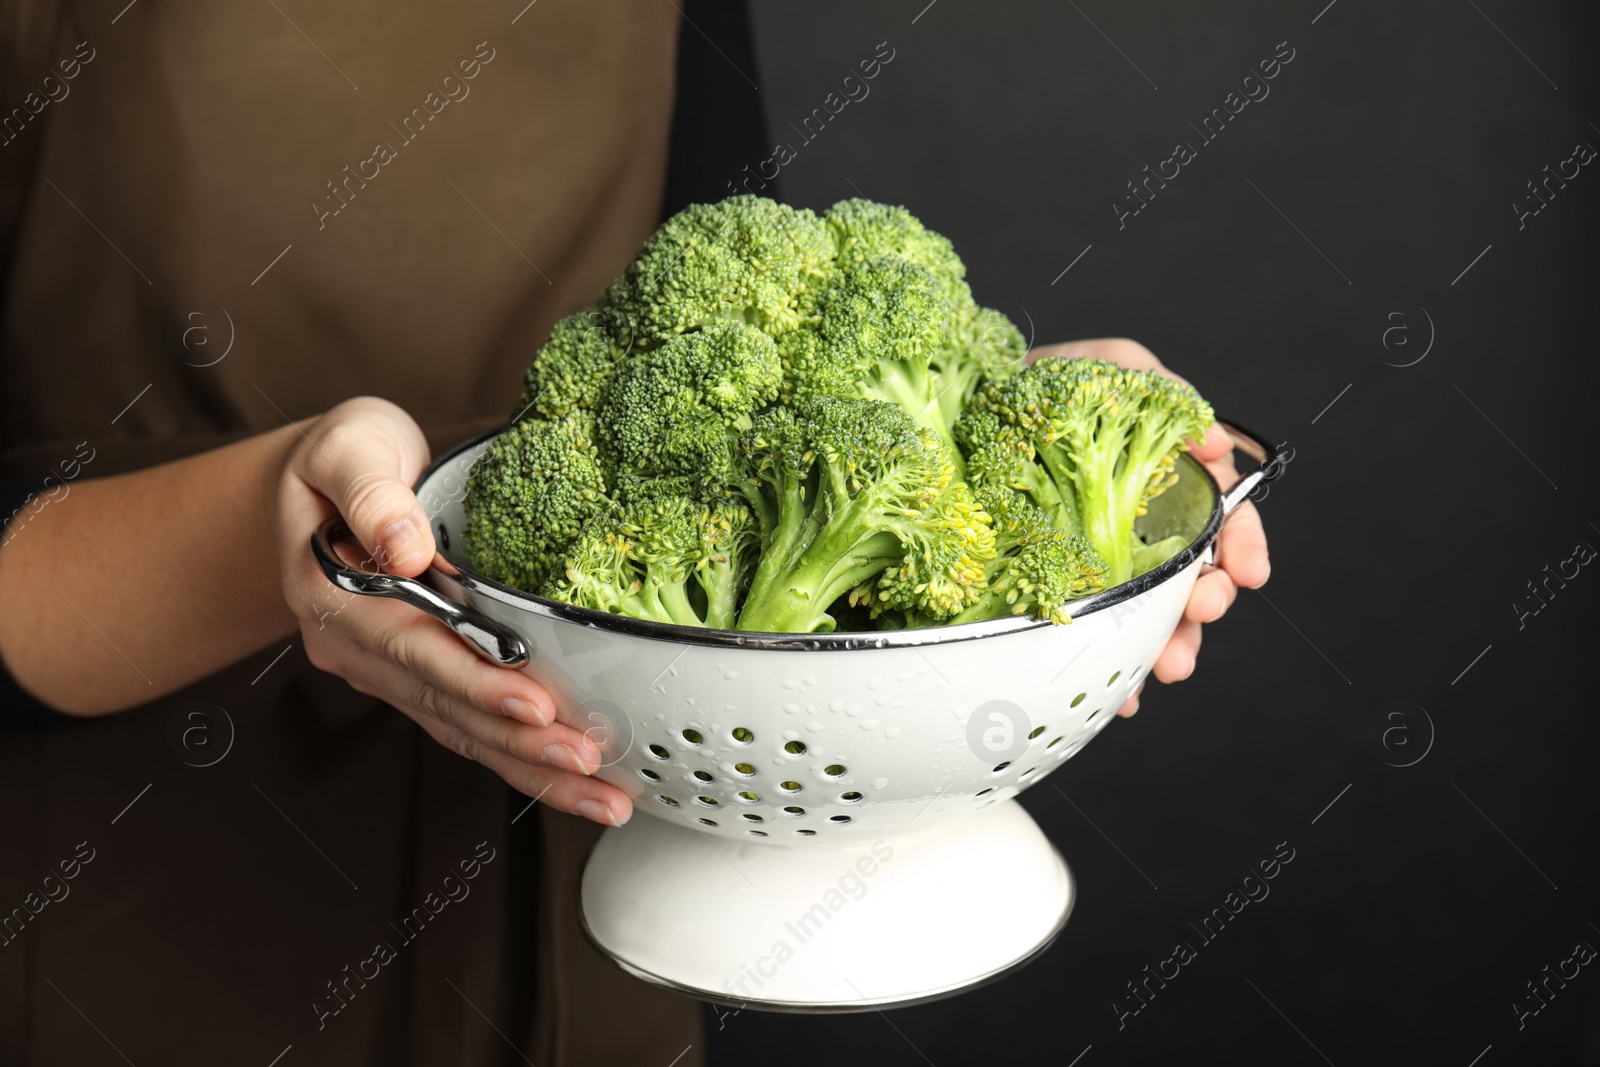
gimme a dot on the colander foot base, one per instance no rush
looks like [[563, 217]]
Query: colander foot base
[[829, 924]]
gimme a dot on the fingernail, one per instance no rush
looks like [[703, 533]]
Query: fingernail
[[562, 756], [524, 711], [595, 811], [399, 542]]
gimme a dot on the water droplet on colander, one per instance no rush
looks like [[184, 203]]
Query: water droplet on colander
[[868, 724], [880, 783], [792, 709], [813, 726], [891, 732], [836, 704]]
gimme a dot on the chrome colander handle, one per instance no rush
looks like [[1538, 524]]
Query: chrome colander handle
[[488, 638], [1271, 459]]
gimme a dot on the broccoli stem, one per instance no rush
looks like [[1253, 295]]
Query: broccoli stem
[[721, 584], [795, 599]]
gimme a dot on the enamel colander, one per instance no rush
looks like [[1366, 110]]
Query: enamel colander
[[824, 822]]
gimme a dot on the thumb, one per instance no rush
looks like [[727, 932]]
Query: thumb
[[363, 458]]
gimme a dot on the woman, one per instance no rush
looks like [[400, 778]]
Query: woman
[[221, 226]]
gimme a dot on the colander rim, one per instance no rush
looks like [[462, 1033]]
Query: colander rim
[[469, 581]]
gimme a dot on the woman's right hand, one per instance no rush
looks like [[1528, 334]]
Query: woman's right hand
[[359, 461]]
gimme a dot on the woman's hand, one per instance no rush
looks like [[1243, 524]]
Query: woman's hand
[[1241, 547], [360, 460]]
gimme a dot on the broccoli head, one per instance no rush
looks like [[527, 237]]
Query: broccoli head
[[746, 260], [571, 371], [881, 322], [664, 559], [863, 230], [980, 344], [851, 493], [677, 409], [1038, 569], [529, 496], [1090, 442]]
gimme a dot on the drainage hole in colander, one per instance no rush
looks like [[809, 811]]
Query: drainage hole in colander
[[841, 819], [981, 792], [850, 797], [1026, 773], [745, 769], [1037, 730], [649, 775], [743, 736], [834, 770], [806, 833], [794, 809], [668, 801], [795, 748], [1079, 699], [1113, 679], [998, 767], [709, 802], [658, 752], [708, 822], [692, 736], [747, 817], [704, 776], [1093, 713], [748, 797], [789, 787], [758, 833], [1054, 743]]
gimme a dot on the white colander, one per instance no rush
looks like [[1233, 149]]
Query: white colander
[[824, 822]]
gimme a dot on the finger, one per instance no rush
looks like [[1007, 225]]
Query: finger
[[577, 795], [1131, 705], [557, 746], [1212, 596], [1177, 660], [363, 456], [1242, 548], [418, 647]]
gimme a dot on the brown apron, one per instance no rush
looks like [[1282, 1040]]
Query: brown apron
[[218, 217]]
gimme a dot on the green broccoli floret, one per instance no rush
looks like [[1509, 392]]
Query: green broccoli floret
[[676, 410], [980, 344], [746, 259], [863, 231], [571, 371], [530, 495], [881, 322], [852, 493], [1038, 569], [665, 559], [976, 343], [1090, 442]]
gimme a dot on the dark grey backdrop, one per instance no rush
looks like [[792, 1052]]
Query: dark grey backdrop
[[1385, 161]]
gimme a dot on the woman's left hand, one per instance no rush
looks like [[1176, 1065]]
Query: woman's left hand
[[1241, 549]]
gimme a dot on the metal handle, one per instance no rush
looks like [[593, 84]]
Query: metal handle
[[489, 639], [1272, 460]]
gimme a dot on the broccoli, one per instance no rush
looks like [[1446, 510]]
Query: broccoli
[[676, 410], [666, 559], [852, 493], [746, 260], [571, 371], [881, 322], [530, 495], [776, 421], [1038, 568], [980, 345], [1090, 442]]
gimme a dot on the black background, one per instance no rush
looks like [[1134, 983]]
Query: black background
[[1404, 530]]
